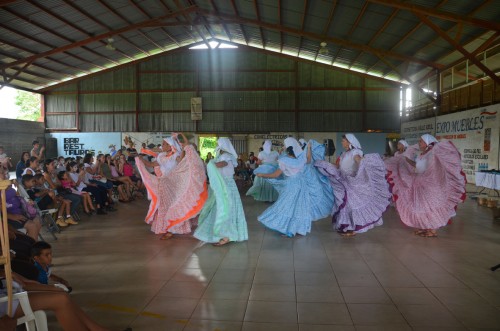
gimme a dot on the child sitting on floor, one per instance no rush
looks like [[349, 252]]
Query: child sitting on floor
[[41, 253], [45, 198], [69, 184]]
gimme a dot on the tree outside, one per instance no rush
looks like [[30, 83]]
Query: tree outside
[[29, 106]]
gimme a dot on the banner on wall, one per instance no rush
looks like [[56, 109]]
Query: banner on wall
[[139, 138], [73, 144], [412, 131], [474, 132]]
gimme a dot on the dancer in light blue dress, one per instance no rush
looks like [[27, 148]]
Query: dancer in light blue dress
[[301, 194], [261, 190], [222, 219]]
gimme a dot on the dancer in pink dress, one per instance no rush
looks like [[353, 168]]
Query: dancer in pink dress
[[179, 192], [427, 187]]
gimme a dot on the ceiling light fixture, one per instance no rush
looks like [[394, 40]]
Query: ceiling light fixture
[[323, 50], [110, 45]]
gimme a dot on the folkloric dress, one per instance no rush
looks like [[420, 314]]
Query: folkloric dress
[[178, 195], [261, 190], [427, 195], [302, 197], [223, 215], [361, 193]]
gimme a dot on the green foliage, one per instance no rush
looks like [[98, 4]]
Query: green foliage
[[29, 105]]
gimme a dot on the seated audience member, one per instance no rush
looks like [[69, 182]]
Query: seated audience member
[[20, 248], [131, 154], [129, 184], [241, 169], [4, 159], [32, 167], [68, 184], [50, 298], [19, 213], [37, 151], [80, 176], [126, 169], [251, 163], [45, 198], [60, 164], [52, 181], [41, 253], [105, 172], [21, 165]]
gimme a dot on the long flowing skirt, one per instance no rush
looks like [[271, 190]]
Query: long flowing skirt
[[177, 197], [301, 201], [428, 200], [360, 200], [223, 215], [261, 190]]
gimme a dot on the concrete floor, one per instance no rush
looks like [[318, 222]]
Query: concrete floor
[[386, 279]]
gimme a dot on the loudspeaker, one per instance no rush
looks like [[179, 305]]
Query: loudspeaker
[[329, 147]]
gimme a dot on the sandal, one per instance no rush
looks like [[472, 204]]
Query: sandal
[[222, 242], [419, 232], [167, 236], [348, 234], [428, 234]]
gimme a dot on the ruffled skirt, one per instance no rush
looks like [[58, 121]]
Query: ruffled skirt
[[360, 200], [177, 197], [261, 190], [428, 200], [302, 199], [223, 215]]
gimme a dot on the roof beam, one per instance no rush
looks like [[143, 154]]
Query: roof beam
[[459, 47], [241, 25], [351, 30], [318, 37], [98, 37], [55, 34], [188, 18], [420, 10], [114, 12], [256, 6], [279, 22], [223, 25], [301, 25], [327, 26], [168, 10]]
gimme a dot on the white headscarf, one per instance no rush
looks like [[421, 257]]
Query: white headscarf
[[404, 143], [302, 142], [267, 146], [224, 144], [173, 143], [353, 141], [297, 149], [428, 139]]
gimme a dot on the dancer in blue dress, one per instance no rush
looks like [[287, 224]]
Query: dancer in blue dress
[[301, 195], [261, 190], [222, 219]]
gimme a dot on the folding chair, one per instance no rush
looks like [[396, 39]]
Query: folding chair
[[45, 215]]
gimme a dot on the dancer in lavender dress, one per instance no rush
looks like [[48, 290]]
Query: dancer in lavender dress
[[360, 188]]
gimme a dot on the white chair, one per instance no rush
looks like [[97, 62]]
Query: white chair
[[34, 321]]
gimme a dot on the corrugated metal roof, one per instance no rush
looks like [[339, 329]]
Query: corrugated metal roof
[[382, 38]]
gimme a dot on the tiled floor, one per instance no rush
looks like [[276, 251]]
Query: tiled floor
[[386, 279]]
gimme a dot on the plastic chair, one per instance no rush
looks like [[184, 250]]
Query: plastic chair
[[34, 321]]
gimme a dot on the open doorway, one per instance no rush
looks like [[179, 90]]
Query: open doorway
[[207, 144]]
